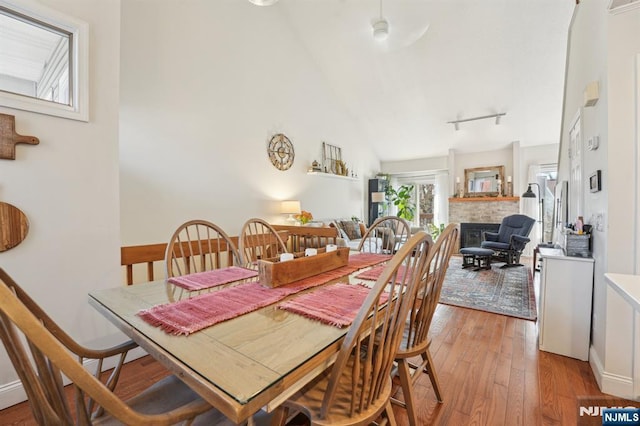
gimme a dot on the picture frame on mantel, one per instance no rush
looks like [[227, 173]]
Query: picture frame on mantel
[[485, 181]]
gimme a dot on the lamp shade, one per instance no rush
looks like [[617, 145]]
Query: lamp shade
[[529, 193], [377, 197], [290, 207]]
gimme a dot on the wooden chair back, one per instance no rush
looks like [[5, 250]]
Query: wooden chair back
[[81, 353], [198, 246], [375, 335], [259, 240], [39, 364], [148, 255], [421, 313], [385, 235]]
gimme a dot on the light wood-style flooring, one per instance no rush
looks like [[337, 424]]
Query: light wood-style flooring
[[489, 366]]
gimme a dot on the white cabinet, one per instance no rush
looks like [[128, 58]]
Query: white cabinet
[[564, 305]]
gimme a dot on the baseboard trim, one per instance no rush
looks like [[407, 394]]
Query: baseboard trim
[[611, 384], [13, 393]]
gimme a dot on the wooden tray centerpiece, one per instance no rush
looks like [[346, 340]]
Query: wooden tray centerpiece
[[274, 273]]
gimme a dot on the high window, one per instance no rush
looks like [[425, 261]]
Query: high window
[[43, 60]]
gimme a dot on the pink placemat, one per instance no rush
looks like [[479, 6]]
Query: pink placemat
[[374, 273], [213, 278], [188, 316], [336, 305], [363, 260]]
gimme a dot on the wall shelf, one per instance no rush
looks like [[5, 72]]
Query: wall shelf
[[333, 175]]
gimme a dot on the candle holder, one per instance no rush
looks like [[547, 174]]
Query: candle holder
[[499, 189], [459, 192], [509, 189]]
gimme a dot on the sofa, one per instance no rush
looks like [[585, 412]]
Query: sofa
[[350, 232]]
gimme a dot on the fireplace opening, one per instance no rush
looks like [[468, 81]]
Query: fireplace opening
[[471, 234]]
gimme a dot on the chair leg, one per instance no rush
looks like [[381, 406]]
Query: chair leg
[[406, 382], [432, 374], [389, 413], [279, 417]]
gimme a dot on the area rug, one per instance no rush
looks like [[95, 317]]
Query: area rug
[[507, 291]]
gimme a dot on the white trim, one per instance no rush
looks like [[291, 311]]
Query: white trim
[[624, 8], [79, 108], [13, 393], [611, 384]]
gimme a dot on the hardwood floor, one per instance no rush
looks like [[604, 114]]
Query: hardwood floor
[[489, 367]]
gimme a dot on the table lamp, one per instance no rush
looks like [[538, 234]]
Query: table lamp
[[377, 197], [290, 207]]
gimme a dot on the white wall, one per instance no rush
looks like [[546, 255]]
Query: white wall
[[587, 63], [603, 48], [68, 188], [204, 87], [620, 158], [431, 164]]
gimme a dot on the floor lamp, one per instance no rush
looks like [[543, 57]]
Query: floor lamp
[[530, 194]]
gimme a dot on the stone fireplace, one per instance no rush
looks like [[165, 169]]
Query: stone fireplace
[[471, 234], [480, 214]]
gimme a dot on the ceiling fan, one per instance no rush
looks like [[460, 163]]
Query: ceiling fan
[[408, 26]]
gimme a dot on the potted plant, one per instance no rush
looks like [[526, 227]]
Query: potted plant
[[401, 198]]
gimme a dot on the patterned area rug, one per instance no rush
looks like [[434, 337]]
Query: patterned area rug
[[507, 291]]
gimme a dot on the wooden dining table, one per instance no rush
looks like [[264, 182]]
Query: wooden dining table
[[251, 362]]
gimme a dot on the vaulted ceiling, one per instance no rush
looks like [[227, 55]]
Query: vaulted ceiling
[[443, 60]]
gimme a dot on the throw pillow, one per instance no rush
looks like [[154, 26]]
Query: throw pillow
[[351, 228]]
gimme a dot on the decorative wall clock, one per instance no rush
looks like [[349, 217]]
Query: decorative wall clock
[[281, 152]]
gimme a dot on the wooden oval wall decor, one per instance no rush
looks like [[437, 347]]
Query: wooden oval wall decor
[[14, 226]]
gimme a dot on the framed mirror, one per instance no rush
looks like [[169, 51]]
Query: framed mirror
[[483, 181]]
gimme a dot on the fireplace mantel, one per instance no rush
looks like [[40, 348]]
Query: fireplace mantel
[[485, 199]]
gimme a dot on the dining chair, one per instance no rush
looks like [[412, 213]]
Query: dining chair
[[259, 240], [416, 341], [198, 246], [50, 353], [385, 235], [356, 390]]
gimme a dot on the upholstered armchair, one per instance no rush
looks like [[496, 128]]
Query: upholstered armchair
[[510, 240]]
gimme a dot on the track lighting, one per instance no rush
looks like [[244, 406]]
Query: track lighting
[[456, 123]]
